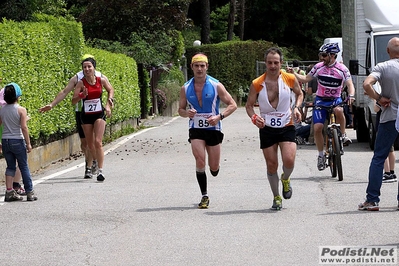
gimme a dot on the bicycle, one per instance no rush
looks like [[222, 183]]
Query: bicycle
[[333, 144]]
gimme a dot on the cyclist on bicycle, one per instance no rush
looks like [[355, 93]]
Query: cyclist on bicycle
[[332, 77]]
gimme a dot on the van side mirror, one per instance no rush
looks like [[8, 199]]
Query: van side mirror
[[354, 67]]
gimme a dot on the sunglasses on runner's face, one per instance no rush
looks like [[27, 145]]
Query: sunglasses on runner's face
[[323, 54]]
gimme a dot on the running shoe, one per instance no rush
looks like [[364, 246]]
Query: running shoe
[[388, 178], [368, 206], [30, 196], [277, 203], [12, 196], [20, 190], [94, 168], [204, 203], [100, 177], [88, 173], [346, 140], [287, 189], [321, 163]]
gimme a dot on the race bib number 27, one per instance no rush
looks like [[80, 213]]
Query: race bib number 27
[[92, 106]]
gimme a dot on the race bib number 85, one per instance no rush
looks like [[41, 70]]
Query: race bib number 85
[[275, 119], [201, 120]]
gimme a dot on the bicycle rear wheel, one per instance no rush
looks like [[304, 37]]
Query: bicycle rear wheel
[[337, 154]]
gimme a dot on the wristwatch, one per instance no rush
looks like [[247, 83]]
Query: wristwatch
[[221, 116]]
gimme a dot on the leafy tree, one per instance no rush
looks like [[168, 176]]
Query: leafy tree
[[242, 17], [231, 20], [115, 20], [299, 24], [20, 10], [205, 21]]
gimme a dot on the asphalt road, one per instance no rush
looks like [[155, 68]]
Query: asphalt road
[[145, 212]]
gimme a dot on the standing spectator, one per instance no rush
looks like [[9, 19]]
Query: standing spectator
[[18, 177], [389, 164], [199, 100], [386, 73], [16, 143], [93, 114], [275, 122]]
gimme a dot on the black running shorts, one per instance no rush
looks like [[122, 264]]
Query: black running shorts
[[270, 136], [211, 137]]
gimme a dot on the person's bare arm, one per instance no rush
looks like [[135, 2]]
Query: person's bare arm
[[61, 95], [110, 100], [249, 107], [299, 77], [369, 90], [24, 127], [226, 98], [183, 112], [79, 93], [351, 91], [299, 99]]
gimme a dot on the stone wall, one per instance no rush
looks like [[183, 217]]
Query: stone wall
[[43, 156]]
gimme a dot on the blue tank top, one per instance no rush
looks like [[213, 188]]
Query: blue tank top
[[210, 103]]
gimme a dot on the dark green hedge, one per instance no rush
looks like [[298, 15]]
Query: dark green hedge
[[233, 63], [42, 56]]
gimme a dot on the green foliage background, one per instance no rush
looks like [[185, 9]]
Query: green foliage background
[[233, 63], [42, 56]]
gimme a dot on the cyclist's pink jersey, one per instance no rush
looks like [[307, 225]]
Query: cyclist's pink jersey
[[330, 79]]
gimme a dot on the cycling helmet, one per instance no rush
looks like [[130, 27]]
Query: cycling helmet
[[330, 48]]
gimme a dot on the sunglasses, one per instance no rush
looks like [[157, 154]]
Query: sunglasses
[[323, 54]]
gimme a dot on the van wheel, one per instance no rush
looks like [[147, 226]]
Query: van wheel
[[372, 135]]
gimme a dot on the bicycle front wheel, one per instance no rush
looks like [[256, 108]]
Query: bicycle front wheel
[[331, 160], [337, 154]]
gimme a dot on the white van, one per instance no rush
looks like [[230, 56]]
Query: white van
[[339, 41]]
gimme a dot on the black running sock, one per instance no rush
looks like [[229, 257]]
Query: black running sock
[[387, 173], [201, 178], [215, 173], [16, 184], [392, 172]]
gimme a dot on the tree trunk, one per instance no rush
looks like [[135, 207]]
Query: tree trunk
[[206, 21], [232, 14], [241, 21]]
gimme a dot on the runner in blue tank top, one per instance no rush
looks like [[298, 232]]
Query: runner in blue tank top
[[199, 100]]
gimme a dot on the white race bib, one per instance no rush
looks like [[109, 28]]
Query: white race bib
[[275, 119], [92, 106], [201, 120]]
